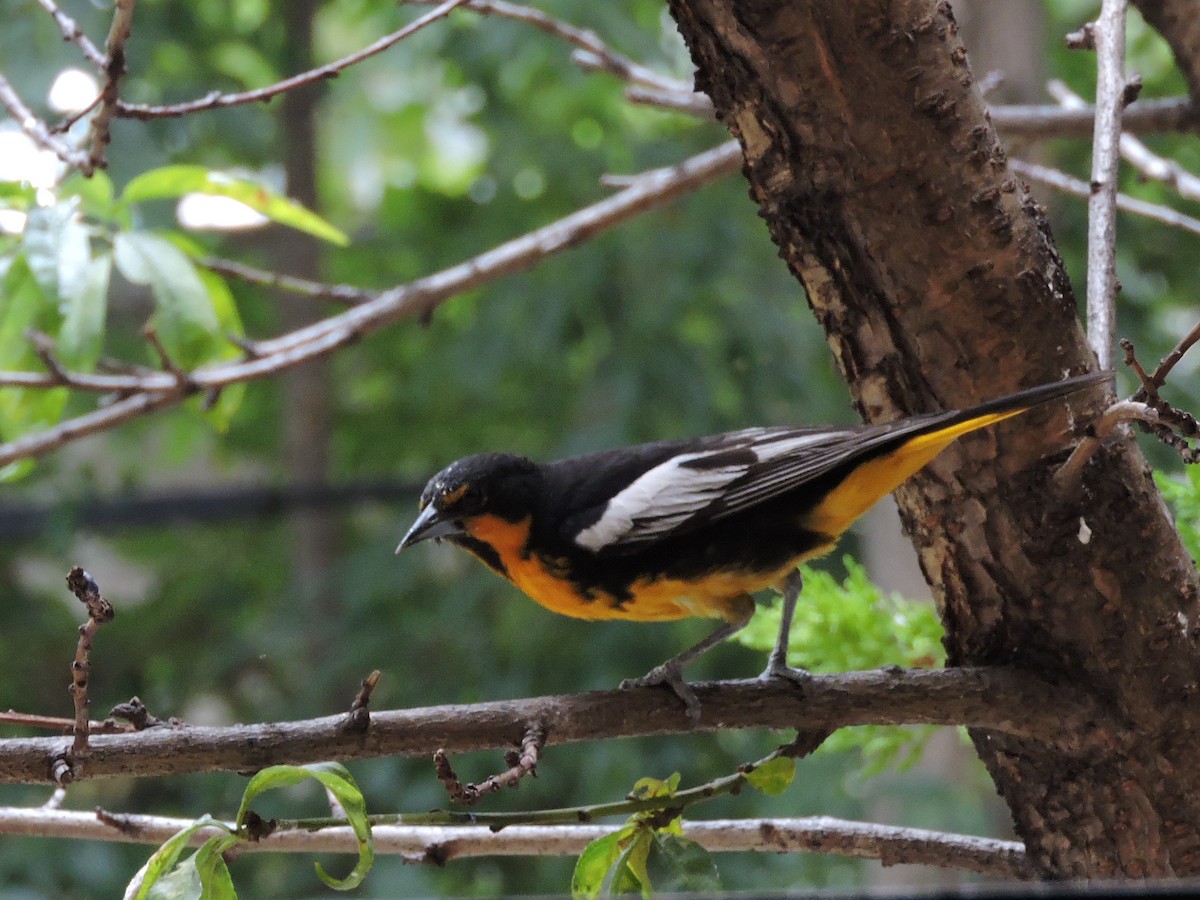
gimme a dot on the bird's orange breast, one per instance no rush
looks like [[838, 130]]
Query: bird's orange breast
[[547, 581]]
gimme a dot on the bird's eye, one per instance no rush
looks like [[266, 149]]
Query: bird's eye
[[456, 495]]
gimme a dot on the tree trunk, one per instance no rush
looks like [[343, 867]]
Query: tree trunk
[[870, 153]]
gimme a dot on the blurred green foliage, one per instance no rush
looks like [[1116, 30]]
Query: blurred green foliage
[[681, 322]]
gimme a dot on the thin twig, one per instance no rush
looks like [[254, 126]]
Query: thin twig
[[100, 611], [345, 294], [420, 298], [59, 723], [218, 100], [1149, 164], [519, 765], [591, 53], [359, 717], [73, 33], [36, 129], [1080, 188], [1169, 361], [1109, 34]]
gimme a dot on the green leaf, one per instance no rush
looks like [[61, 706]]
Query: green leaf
[[209, 861], [774, 776], [17, 195], [84, 309], [1184, 496], [337, 779], [43, 239], [594, 864], [648, 788], [15, 471], [161, 867], [176, 181], [23, 305], [681, 866], [95, 194], [185, 319], [629, 873]]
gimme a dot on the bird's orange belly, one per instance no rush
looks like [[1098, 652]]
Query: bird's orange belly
[[715, 596]]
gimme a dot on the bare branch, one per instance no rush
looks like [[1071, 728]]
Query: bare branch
[[990, 698], [217, 100], [818, 834], [36, 128], [100, 611], [345, 294], [1109, 34], [73, 33], [160, 390], [99, 131], [1142, 117], [1149, 164], [103, 419], [1080, 188], [592, 53]]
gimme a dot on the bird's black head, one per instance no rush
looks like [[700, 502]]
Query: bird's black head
[[487, 483]]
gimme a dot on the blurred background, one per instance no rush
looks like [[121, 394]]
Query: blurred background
[[252, 568]]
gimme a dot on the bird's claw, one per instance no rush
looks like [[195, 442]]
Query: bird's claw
[[672, 677], [777, 667]]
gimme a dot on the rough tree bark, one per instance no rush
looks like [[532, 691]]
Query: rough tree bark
[[933, 272]]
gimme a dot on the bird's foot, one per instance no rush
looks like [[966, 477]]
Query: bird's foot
[[670, 676], [777, 667]]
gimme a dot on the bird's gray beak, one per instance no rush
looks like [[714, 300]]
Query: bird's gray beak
[[429, 524]]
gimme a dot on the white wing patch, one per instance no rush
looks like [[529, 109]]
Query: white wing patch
[[662, 497], [672, 492]]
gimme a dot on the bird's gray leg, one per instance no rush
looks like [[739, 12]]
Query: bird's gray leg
[[670, 673], [777, 666]]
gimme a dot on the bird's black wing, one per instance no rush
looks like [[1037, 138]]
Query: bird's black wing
[[720, 476]]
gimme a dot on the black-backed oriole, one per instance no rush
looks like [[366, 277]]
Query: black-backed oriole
[[691, 527]]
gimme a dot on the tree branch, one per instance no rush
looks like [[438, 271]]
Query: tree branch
[[158, 390], [997, 699], [439, 844], [35, 128], [73, 33], [217, 100], [1080, 188], [1102, 204]]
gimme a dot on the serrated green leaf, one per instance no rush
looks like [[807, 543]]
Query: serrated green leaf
[[338, 780], [594, 864], [679, 865], [171, 182], [81, 335], [774, 776], [184, 317]]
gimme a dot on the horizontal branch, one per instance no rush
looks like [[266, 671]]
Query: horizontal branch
[[438, 844], [1078, 187], [218, 100], [988, 698], [420, 298], [1029, 121]]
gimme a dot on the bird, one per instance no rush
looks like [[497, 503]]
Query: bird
[[692, 527]]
